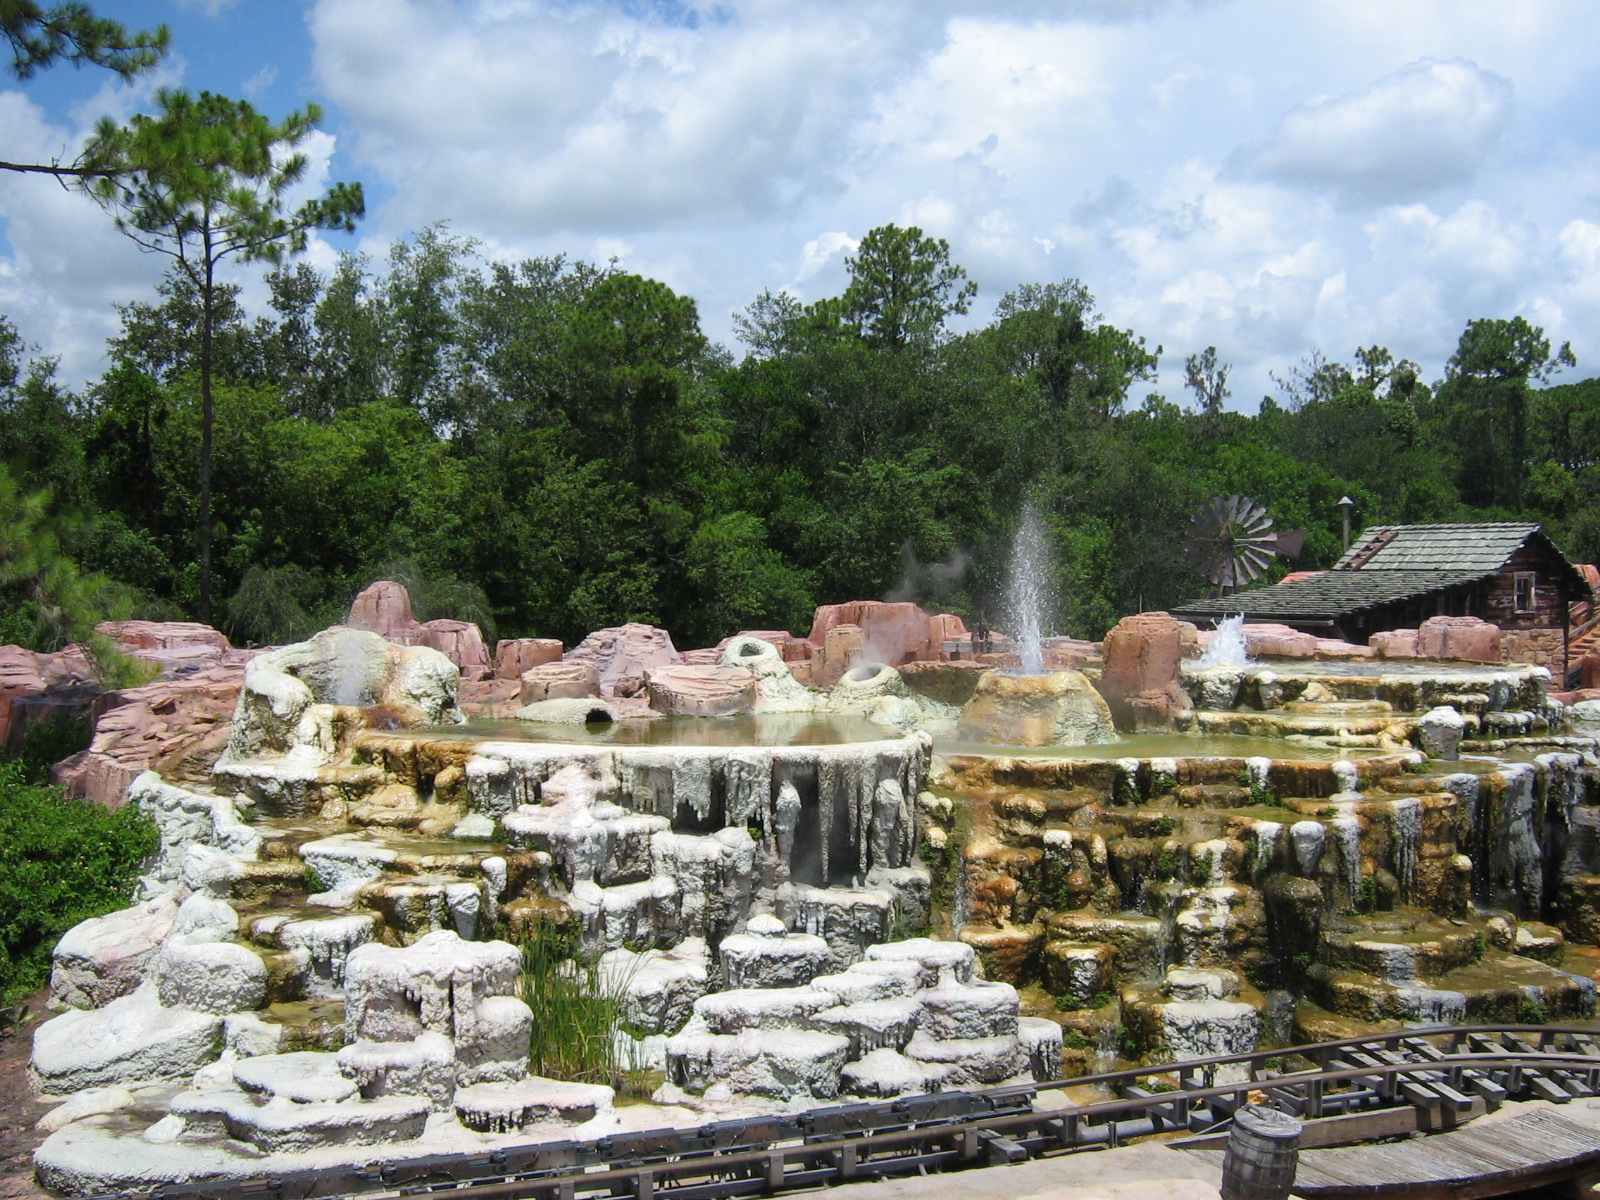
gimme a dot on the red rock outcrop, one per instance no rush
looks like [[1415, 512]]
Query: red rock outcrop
[[701, 691], [20, 675], [1394, 643], [1469, 639], [1143, 656], [513, 656], [895, 632], [623, 654], [384, 608], [461, 642], [842, 647], [176, 726], [559, 681]]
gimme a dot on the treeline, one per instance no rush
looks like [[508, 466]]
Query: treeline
[[551, 446]]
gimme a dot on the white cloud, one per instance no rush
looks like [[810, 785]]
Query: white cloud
[[1427, 126]]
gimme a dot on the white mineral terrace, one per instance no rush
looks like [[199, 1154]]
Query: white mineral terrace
[[323, 957]]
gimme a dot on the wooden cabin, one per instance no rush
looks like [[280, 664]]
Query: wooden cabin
[[1397, 576]]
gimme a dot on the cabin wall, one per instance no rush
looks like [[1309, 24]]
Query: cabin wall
[[1539, 636]]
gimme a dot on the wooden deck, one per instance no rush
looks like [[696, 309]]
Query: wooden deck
[[1482, 1160]]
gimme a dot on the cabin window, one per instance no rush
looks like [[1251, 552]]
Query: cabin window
[[1524, 586]]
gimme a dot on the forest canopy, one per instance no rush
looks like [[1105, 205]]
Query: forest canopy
[[552, 446]]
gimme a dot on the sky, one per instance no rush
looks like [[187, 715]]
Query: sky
[[1264, 177]]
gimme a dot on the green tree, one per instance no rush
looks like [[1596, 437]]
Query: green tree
[[1207, 379], [1084, 365], [1481, 408], [903, 288], [70, 32], [202, 182]]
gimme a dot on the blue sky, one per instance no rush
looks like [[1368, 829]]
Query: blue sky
[[1264, 177]]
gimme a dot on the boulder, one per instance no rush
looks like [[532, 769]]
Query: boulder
[[513, 656], [1440, 731], [1058, 709], [622, 656], [462, 643], [1394, 643], [949, 682], [1589, 671], [20, 675], [384, 608], [1584, 718], [131, 1040], [492, 697], [1465, 638], [1140, 677], [210, 976], [103, 958], [560, 681], [1278, 641], [701, 691]]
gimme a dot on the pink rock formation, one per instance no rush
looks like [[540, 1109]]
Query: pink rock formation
[[461, 642], [20, 675], [1589, 671], [842, 647], [1394, 643], [492, 697], [163, 635], [559, 681], [894, 633], [384, 608], [621, 655], [513, 656], [701, 691], [1140, 677], [176, 726], [1278, 641], [1466, 638]]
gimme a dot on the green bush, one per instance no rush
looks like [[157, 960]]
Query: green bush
[[61, 862]]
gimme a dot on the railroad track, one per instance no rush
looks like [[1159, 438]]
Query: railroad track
[[1451, 1073]]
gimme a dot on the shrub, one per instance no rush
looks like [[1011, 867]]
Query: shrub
[[61, 861]]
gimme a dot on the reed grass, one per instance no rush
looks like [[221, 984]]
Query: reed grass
[[577, 1010]]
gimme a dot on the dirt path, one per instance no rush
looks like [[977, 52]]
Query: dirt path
[[19, 1110]]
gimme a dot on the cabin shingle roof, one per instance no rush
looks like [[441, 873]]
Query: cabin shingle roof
[[1483, 547], [1388, 563], [1329, 595]]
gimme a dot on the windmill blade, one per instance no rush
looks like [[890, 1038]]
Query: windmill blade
[[1291, 542], [1231, 541]]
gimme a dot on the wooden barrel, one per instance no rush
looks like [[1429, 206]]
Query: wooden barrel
[[1263, 1151]]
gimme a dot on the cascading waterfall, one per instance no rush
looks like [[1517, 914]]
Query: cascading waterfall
[[1348, 831], [1406, 837], [1028, 590]]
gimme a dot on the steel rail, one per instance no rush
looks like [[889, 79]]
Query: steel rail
[[765, 1155]]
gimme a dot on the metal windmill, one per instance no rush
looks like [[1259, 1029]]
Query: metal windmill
[[1231, 542]]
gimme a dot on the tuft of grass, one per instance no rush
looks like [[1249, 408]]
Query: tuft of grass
[[577, 1010]]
